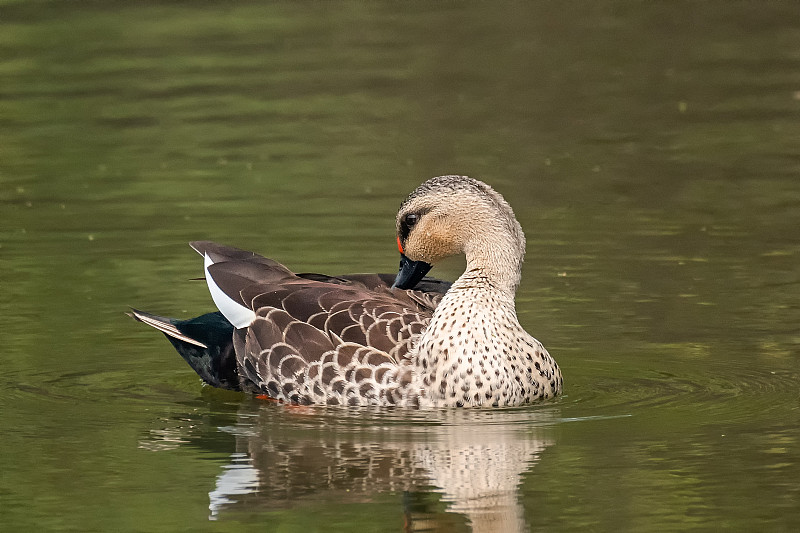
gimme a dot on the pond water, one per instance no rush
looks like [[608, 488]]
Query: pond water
[[650, 151]]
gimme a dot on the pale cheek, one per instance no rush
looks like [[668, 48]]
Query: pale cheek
[[418, 250], [435, 249], [430, 244], [428, 253]]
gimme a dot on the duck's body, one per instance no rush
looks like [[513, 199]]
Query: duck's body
[[315, 339], [474, 352]]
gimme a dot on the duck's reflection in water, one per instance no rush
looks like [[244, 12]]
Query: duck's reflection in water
[[474, 459]]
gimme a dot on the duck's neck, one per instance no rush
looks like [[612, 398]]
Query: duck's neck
[[493, 263]]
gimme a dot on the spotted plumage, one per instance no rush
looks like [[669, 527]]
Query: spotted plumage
[[354, 340]]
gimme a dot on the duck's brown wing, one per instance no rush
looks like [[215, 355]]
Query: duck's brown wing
[[427, 293], [315, 341], [381, 280]]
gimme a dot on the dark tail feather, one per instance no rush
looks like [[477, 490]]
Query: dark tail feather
[[205, 342]]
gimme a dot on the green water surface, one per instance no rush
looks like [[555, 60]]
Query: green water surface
[[651, 151]]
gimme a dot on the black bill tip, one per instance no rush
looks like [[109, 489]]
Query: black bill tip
[[411, 272]]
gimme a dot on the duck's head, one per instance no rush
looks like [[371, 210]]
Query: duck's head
[[450, 215]]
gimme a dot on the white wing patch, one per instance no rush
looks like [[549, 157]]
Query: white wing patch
[[237, 314]]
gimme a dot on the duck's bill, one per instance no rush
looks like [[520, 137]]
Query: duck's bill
[[411, 272]]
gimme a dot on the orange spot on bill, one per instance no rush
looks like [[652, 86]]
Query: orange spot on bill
[[400, 245]]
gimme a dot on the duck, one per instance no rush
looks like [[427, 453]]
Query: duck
[[404, 340]]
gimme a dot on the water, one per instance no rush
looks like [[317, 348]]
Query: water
[[649, 151]]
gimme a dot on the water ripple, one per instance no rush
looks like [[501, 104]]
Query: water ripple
[[728, 390]]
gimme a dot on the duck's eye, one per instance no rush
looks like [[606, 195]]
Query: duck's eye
[[406, 224]]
